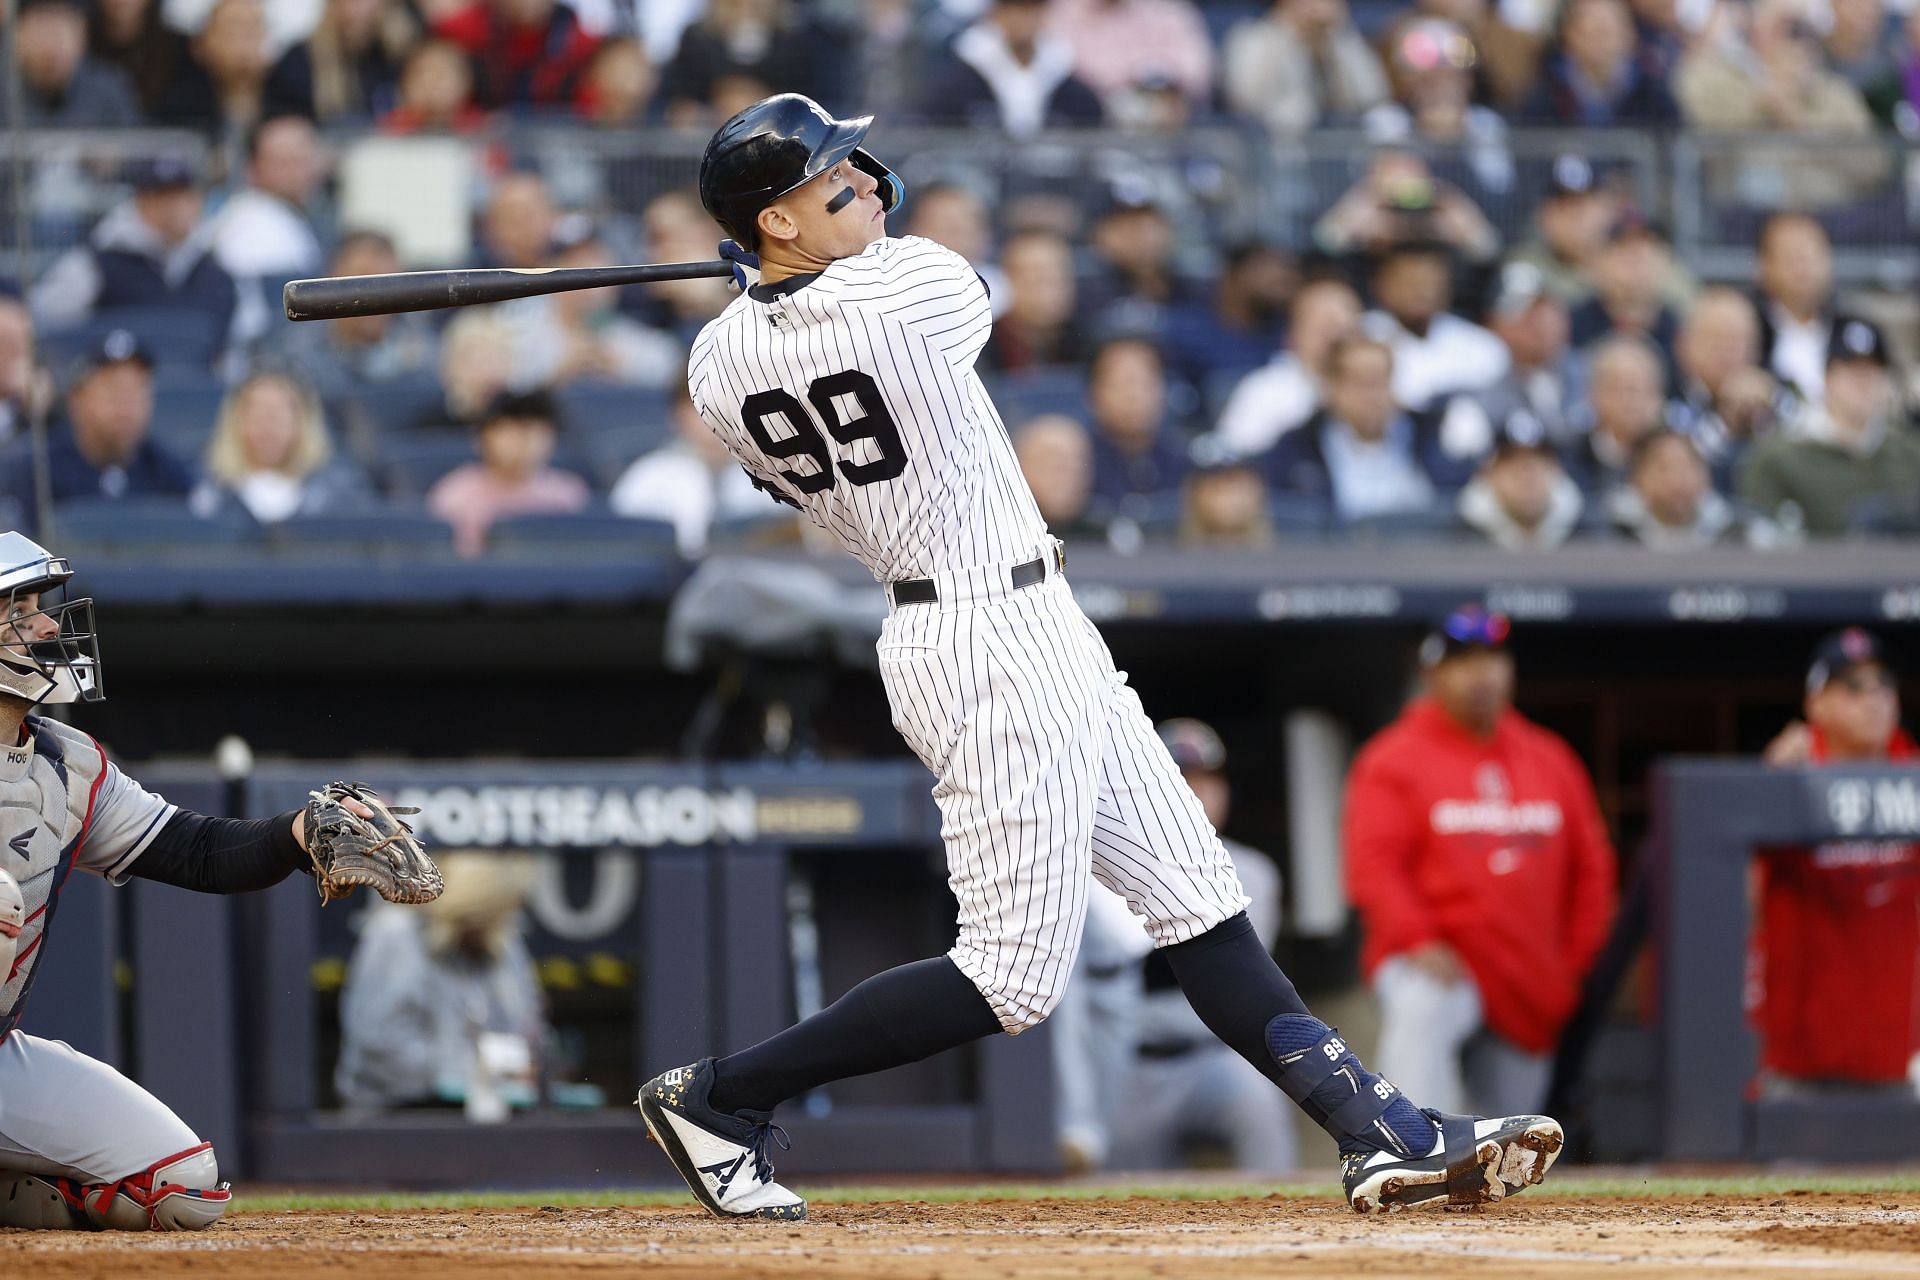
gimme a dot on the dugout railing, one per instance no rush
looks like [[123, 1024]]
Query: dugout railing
[[1712, 818]]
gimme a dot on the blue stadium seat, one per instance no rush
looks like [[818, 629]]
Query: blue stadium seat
[[1435, 524], [1028, 395], [401, 527], [390, 409], [412, 463], [537, 537], [148, 524], [184, 411], [594, 408], [1299, 514], [177, 338]]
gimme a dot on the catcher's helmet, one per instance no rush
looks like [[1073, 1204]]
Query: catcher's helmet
[[64, 667], [772, 147]]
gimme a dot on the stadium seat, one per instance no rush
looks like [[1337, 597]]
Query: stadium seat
[[184, 411], [592, 408], [147, 524], [395, 528], [177, 338], [1028, 395], [1299, 514], [414, 462], [1436, 524], [535, 537]]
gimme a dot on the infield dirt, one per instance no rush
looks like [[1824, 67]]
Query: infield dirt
[[1826, 1235]]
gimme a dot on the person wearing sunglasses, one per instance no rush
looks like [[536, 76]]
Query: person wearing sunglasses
[[1461, 815], [1836, 964]]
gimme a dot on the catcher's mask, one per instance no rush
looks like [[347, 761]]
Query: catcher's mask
[[40, 662]]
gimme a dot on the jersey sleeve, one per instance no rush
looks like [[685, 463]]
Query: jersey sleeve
[[930, 289], [126, 818]]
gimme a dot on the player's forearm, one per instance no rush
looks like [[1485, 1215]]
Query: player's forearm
[[222, 855]]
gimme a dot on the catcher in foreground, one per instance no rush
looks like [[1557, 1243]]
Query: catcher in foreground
[[81, 1146]]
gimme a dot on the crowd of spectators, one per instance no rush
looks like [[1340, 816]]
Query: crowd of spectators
[[1406, 369]]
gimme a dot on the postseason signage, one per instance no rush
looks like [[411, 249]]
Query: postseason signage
[[556, 806]]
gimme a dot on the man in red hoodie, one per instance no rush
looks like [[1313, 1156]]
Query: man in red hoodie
[[1477, 857], [1835, 986]]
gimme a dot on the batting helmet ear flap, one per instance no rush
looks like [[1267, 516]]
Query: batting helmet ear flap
[[892, 189]]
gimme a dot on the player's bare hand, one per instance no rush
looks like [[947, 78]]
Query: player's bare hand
[[1792, 746], [351, 805], [1438, 961]]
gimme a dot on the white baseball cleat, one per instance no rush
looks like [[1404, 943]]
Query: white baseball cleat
[[722, 1156], [1475, 1161]]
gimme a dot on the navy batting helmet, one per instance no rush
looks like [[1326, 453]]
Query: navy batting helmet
[[772, 147]]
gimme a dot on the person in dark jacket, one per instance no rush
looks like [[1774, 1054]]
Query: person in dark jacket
[[1138, 454], [1008, 72], [61, 86], [1594, 79], [103, 449], [155, 250], [1363, 452]]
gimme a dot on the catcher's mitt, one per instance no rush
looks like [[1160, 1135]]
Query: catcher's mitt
[[349, 850]]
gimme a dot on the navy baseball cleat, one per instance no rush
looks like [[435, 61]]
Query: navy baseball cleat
[[722, 1156], [1474, 1161]]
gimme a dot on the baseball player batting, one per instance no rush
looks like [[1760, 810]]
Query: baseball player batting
[[81, 1146], [843, 380]]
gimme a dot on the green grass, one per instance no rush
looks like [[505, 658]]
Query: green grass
[[1613, 1185]]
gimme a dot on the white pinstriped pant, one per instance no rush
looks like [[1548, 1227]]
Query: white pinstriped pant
[[1048, 770]]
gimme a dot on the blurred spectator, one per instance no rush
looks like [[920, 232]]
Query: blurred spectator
[[131, 35], [1662, 35], [1056, 457], [1853, 451], [617, 91], [1436, 354], [270, 455], [1225, 506], [1364, 452], [679, 230], [1119, 45], [154, 250], [515, 441], [26, 392], [476, 367], [223, 85], [354, 355], [1274, 399], [1185, 1088], [742, 50], [1906, 112], [1795, 274], [691, 482], [1629, 290], [1859, 49], [516, 225], [1137, 452], [61, 87], [103, 449], [1507, 42], [1460, 812], [348, 70], [267, 227], [1544, 376], [1039, 327], [1007, 71], [581, 333], [1572, 222], [435, 93], [1727, 401], [1833, 984], [1522, 499], [1431, 61], [1668, 502], [1594, 79], [1399, 202], [1133, 281], [435, 993], [1300, 65], [951, 214], [526, 53], [1624, 403], [1762, 70], [1240, 326]]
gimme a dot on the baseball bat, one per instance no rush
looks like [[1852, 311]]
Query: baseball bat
[[332, 297]]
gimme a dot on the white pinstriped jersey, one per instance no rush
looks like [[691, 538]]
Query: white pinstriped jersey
[[853, 393]]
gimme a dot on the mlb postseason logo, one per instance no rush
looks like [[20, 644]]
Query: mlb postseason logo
[[1877, 807]]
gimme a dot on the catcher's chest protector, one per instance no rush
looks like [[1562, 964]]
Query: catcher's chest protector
[[46, 792]]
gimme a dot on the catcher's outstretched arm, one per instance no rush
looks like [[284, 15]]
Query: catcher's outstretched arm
[[222, 855]]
